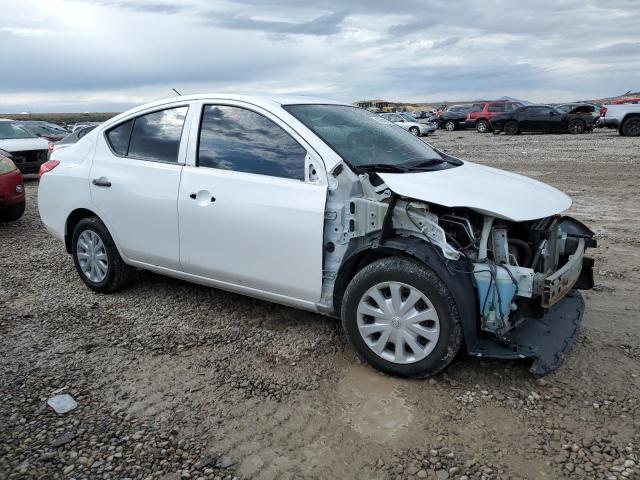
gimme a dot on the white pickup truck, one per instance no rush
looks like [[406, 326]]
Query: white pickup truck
[[625, 118]]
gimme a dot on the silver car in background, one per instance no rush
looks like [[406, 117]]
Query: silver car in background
[[409, 123]]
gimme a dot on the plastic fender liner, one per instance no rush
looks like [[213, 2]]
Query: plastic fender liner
[[576, 228], [460, 284]]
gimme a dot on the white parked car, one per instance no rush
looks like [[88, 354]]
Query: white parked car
[[410, 124], [329, 208], [27, 150]]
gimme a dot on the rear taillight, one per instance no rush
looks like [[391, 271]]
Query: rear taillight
[[603, 111], [47, 167], [50, 147]]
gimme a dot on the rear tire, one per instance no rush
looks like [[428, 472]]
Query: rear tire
[[402, 318], [482, 126], [576, 126], [414, 131], [630, 127], [12, 212], [511, 127], [97, 261], [450, 126]]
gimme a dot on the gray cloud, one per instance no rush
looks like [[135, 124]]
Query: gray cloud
[[446, 42], [323, 25], [142, 6]]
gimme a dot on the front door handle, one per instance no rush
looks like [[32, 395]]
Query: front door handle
[[101, 182]]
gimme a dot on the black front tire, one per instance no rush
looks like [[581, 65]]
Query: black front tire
[[414, 131], [421, 277], [12, 212], [118, 273], [450, 126]]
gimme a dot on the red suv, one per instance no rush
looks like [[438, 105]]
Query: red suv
[[482, 112]]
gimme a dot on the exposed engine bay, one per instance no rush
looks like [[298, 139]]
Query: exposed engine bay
[[519, 269]]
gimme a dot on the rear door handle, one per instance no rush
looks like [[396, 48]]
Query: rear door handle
[[101, 182], [194, 195]]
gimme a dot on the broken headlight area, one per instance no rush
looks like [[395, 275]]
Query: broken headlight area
[[520, 269]]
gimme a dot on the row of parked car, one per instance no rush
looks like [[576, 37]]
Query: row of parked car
[[512, 117], [24, 147]]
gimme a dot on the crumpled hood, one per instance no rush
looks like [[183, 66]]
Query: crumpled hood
[[23, 144], [487, 190]]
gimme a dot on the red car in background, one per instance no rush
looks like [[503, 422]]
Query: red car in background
[[12, 195], [482, 112], [621, 101]]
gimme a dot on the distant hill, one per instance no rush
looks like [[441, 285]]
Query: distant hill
[[64, 118]]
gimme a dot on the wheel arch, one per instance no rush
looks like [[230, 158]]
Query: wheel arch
[[72, 220], [459, 284]]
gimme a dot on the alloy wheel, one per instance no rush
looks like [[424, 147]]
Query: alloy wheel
[[398, 322], [482, 126], [92, 256]]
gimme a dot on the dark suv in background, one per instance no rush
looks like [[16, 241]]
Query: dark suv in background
[[453, 117], [482, 113]]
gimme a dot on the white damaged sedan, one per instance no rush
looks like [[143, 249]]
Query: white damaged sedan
[[329, 208]]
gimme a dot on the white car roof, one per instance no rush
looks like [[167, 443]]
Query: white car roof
[[259, 100]]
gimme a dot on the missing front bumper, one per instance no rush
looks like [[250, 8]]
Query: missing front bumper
[[546, 340]]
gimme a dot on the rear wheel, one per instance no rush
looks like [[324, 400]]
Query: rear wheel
[[401, 318], [415, 131], [450, 125], [511, 127], [576, 126], [96, 257], [12, 212], [630, 127], [483, 126]]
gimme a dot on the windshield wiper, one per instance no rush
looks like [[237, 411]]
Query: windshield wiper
[[383, 167], [424, 164]]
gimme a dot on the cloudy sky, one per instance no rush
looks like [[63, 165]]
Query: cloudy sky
[[107, 55]]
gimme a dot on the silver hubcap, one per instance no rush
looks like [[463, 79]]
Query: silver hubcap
[[414, 131], [482, 127], [92, 256], [398, 322]]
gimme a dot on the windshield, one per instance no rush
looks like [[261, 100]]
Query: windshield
[[366, 140], [9, 130]]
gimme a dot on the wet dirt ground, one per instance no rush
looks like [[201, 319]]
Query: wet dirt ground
[[175, 380]]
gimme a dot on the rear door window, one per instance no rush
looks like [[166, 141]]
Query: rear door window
[[497, 107], [154, 136]]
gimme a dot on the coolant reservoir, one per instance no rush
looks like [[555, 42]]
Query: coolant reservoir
[[494, 295]]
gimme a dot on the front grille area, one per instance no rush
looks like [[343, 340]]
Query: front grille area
[[29, 161]]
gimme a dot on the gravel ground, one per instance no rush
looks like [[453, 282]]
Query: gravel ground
[[174, 380]]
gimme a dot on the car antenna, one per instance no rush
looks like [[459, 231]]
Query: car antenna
[[179, 94]]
